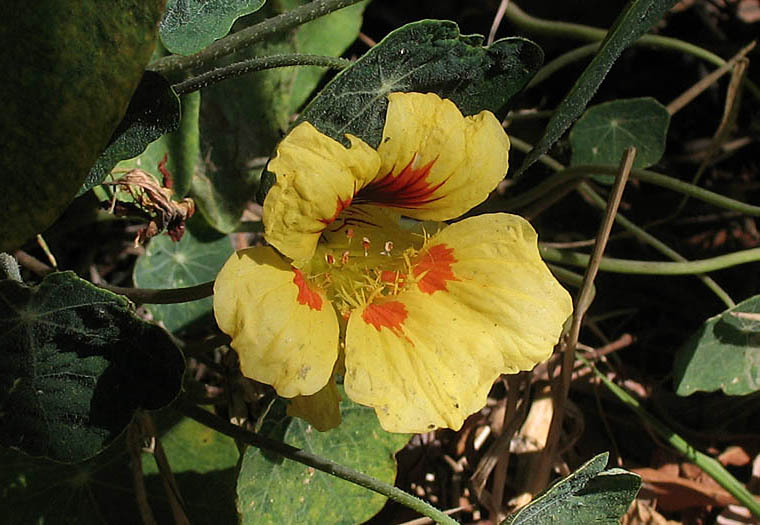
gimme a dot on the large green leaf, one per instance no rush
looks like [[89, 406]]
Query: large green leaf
[[605, 131], [426, 56], [190, 25], [243, 119], [723, 354], [195, 259], [153, 111], [635, 20], [204, 463], [71, 68], [274, 491], [93, 492], [588, 495], [75, 362]]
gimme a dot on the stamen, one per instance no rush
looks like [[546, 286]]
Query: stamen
[[330, 259], [388, 248], [344, 258], [365, 245]]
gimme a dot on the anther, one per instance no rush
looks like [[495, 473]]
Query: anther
[[388, 248], [350, 234], [365, 245], [344, 257], [330, 259]]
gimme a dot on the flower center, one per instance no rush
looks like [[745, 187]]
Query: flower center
[[364, 256]]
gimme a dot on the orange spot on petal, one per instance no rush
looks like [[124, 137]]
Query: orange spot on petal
[[391, 315], [306, 295], [433, 268], [389, 276]]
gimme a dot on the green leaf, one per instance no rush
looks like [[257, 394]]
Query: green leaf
[[588, 495], [75, 362], [605, 131], [343, 26], [74, 67], [190, 25], [195, 259], [274, 491], [93, 492], [243, 119], [153, 111], [723, 354], [635, 20], [204, 463], [425, 56]]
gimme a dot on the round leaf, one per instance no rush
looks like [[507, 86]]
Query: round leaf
[[190, 25], [74, 67], [272, 491], [605, 131], [193, 260], [75, 362], [724, 353]]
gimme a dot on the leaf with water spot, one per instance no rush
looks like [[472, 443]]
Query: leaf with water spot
[[273, 490], [606, 130]]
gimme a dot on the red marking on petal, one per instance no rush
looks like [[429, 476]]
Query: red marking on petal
[[306, 295], [433, 267], [391, 315], [342, 205], [408, 189]]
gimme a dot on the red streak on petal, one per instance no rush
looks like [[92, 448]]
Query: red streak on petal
[[391, 315], [434, 265], [306, 295], [408, 189], [342, 205]]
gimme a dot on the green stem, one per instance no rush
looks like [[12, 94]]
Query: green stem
[[582, 32], [628, 266], [174, 64], [325, 465], [654, 242], [567, 174], [708, 464], [561, 61], [256, 64], [166, 296]]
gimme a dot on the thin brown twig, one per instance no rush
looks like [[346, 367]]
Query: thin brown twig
[[134, 446], [560, 391], [497, 21], [694, 91]]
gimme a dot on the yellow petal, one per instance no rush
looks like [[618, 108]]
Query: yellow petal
[[284, 330], [321, 410], [436, 163], [483, 304], [316, 179]]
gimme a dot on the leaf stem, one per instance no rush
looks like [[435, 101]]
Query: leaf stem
[[256, 64], [708, 464], [629, 266], [174, 64], [556, 28], [163, 296], [325, 465]]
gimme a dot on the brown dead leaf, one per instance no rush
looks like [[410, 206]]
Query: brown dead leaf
[[154, 203], [735, 456], [675, 492], [642, 513]]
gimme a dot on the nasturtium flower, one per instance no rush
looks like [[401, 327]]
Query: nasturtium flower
[[419, 317]]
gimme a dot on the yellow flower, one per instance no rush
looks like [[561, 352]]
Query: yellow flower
[[419, 317]]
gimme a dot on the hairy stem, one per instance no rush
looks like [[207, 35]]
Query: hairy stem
[[174, 64], [256, 64], [325, 465]]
